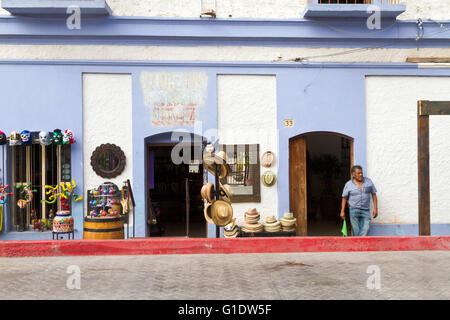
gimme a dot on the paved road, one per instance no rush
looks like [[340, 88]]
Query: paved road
[[348, 275]]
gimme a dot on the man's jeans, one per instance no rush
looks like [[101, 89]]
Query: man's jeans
[[360, 220]]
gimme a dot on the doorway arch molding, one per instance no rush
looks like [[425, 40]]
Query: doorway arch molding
[[305, 134], [298, 175]]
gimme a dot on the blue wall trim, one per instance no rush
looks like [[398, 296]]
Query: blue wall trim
[[437, 229], [220, 64], [249, 32]]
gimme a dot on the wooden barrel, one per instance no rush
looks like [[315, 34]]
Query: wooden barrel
[[103, 228]]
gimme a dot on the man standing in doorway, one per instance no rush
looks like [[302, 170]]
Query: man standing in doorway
[[357, 191]]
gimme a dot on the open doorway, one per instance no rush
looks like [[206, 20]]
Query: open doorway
[[319, 167], [174, 203]]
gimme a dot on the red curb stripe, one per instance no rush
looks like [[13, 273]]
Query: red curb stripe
[[148, 246]]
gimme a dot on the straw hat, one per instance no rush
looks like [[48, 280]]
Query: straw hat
[[252, 212], [267, 159], [268, 178], [271, 219], [207, 213], [231, 229], [221, 212], [211, 160], [226, 192], [206, 192], [288, 220], [246, 227], [231, 225]]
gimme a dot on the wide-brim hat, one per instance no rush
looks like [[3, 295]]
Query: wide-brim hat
[[207, 213], [252, 212], [221, 212], [271, 219], [226, 192], [267, 159], [246, 227], [206, 192], [288, 216], [268, 178], [212, 160], [231, 226]]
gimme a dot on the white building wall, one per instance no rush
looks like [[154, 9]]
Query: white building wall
[[247, 114], [213, 53], [392, 146], [107, 118], [264, 9]]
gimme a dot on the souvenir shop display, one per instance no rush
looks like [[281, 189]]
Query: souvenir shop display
[[218, 209], [106, 218], [252, 221], [105, 201]]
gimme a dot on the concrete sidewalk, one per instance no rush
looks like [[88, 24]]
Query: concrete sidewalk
[[261, 276]]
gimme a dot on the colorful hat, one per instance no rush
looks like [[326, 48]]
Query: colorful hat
[[211, 160], [221, 212], [3, 139], [268, 178], [267, 159]]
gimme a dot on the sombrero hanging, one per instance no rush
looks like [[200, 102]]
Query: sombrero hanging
[[267, 159], [268, 178], [212, 160]]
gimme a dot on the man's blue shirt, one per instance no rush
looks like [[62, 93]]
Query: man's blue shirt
[[359, 198]]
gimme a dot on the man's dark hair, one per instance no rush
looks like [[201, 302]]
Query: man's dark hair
[[356, 167]]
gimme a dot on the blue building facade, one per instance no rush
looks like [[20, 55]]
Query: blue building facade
[[319, 93]]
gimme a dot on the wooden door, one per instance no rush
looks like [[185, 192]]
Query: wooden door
[[297, 183]]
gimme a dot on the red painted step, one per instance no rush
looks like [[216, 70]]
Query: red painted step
[[139, 246]]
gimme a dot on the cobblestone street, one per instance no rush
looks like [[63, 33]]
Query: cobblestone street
[[264, 276]]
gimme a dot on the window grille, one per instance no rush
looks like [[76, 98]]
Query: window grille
[[38, 166]]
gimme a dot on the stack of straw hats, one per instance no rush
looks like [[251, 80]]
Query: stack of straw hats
[[288, 222], [231, 229], [251, 221], [272, 225]]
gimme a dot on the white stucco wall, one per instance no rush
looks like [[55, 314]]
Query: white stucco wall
[[392, 146], [264, 9], [225, 53], [107, 118], [276, 9], [247, 114]]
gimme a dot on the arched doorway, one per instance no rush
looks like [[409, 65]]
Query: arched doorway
[[174, 177], [319, 166]]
